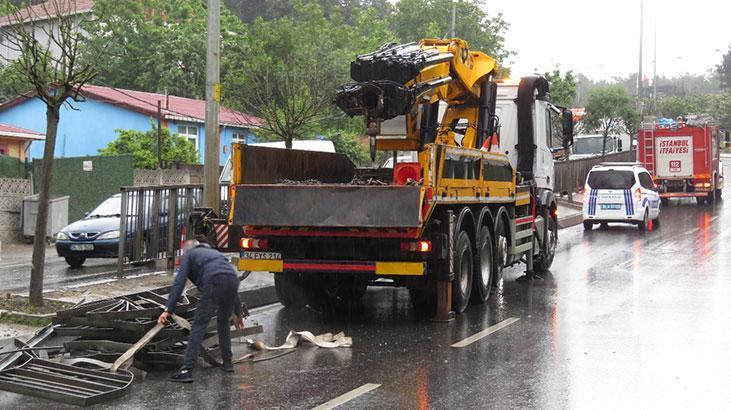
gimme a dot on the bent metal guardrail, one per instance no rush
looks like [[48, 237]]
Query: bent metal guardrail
[[569, 176], [155, 219]]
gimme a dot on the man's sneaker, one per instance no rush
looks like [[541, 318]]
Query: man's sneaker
[[182, 376], [227, 367]]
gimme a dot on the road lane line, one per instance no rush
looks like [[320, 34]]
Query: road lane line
[[492, 329], [344, 398]]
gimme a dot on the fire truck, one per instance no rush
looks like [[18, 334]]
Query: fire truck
[[683, 156], [475, 195]]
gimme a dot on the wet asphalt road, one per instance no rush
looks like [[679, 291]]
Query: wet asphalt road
[[626, 319], [15, 267]]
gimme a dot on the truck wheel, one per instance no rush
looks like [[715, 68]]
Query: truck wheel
[[719, 193], [75, 261], [463, 268], [482, 276], [502, 248], [711, 198], [545, 257], [700, 200], [291, 290], [588, 225]]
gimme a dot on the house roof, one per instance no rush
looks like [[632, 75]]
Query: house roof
[[173, 107], [47, 10], [7, 130]]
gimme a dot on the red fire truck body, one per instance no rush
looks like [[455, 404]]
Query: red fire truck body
[[683, 158]]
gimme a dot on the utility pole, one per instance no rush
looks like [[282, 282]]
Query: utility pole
[[213, 99], [639, 72], [159, 136], [654, 68], [454, 18]]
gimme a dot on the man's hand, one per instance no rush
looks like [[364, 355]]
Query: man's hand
[[163, 319], [238, 322]]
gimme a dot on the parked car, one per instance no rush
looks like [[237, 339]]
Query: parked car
[[94, 236], [620, 192]]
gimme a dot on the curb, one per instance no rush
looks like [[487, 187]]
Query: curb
[[570, 221]]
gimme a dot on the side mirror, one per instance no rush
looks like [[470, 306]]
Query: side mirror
[[567, 126]]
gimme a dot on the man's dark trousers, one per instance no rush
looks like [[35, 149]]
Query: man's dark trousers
[[218, 299]]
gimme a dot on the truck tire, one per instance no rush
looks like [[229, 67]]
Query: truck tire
[[75, 261], [588, 225], [545, 257], [700, 200], [482, 276], [463, 268], [711, 198], [502, 248], [719, 194], [292, 290]]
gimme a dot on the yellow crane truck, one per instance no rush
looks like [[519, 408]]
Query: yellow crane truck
[[469, 193]]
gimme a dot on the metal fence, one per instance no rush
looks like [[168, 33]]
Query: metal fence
[[154, 220], [570, 176]]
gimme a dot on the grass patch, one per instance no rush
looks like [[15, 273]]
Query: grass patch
[[18, 303], [24, 320]]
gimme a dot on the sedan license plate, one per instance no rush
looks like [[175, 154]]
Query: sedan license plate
[[611, 206], [82, 247], [261, 255]]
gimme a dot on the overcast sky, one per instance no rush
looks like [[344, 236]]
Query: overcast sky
[[601, 38]]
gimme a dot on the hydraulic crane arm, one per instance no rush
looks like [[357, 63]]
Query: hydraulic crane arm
[[407, 81]]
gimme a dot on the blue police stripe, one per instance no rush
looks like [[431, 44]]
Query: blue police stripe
[[592, 202]]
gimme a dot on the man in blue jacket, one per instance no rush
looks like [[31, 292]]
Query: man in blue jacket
[[214, 276]]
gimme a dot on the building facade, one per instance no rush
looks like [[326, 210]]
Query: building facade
[[87, 126]]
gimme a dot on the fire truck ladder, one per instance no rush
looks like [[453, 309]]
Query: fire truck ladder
[[649, 148]]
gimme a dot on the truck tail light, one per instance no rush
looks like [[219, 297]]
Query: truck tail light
[[417, 246], [251, 243]]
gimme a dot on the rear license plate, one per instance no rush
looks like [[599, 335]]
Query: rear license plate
[[82, 247], [611, 206], [261, 255]]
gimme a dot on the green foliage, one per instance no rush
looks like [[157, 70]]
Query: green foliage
[[158, 45], [610, 110], [416, 19], [143, 148], [724, 70], [295, 66], [717, 105], [562, 87]]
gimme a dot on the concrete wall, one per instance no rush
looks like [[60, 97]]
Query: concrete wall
[[12, 192]]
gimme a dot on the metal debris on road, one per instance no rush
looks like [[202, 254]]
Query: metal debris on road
[[326, 340], [114, 337]]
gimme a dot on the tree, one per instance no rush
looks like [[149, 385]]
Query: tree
[[563, 87], [416, 19], [56, 75], [293, 67], [143, 148], [610, 109], [724, 70], [158, 45]]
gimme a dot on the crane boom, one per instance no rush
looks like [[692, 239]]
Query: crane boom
[[407, 81]]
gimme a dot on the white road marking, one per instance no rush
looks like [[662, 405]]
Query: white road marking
[[344, 398], [492, 329]]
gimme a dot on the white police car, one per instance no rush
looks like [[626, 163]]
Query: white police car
[[620, 192]]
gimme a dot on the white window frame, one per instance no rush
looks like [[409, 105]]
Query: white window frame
[[194, 138], [239, 136]]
